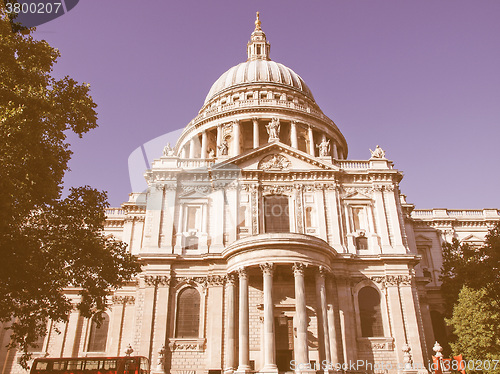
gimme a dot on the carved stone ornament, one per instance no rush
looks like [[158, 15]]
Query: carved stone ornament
[[274, 162], [161, 280], [203, 189], [168, 150], [298, 268], [378, 153], [267, 268], [216, 280], [196, 345], [242, 273], [324, 148], [123, 300], [231, 279], [277, 190], [273, 130]]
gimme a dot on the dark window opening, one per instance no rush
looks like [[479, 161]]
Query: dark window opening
[[188, 314], [276, 213], [361, 243], [370, 312], [98, 334]]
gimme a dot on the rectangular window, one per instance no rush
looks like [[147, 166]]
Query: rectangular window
[[276, 213], [193, 218], [359, 218]]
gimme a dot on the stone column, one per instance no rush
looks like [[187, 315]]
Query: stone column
[[332, 316], [269, 343], [230, 338], [184, 151], [311, 141], [219, 138], [293, 135], [192, 143], [321, 291], [256, 134], [347, 319], [335, 152], [236, 140], [301, 353], [244, 333], [204, 144]]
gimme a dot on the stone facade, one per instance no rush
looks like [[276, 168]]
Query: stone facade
[[283, 240]]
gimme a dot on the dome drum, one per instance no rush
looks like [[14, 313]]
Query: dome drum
[[219, 140]]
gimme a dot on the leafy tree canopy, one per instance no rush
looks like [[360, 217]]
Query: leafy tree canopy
[[476, 323], [47, 243], [471, 290], [475, 267]]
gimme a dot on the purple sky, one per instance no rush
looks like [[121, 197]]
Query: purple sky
[[419, 78]]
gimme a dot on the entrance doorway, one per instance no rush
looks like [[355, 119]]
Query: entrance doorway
[[284, 342]]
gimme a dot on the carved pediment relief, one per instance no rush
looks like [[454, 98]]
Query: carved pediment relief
[[354, 194], [195, 192], [276, 156], [423, 241], [274, 162]]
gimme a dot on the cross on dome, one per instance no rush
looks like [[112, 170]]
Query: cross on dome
[[258, 47]]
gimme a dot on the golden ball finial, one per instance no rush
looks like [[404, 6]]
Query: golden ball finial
[[257, 22]]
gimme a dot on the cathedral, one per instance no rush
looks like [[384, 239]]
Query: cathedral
[[266, 249]]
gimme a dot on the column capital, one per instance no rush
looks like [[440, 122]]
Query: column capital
[[242, 273], [267, 268], [322, 272], [255, 119], [231, 279], [298, 268]]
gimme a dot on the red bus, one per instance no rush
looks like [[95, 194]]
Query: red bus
[[91, 365]]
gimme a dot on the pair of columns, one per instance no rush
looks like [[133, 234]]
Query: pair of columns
[[301, 348]]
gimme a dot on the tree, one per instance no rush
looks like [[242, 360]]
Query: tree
[[471, 290], [47, 243], [476, 323]]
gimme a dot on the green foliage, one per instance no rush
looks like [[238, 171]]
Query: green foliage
[[47, 243], [465, 265], [471, 290], [476, 323]]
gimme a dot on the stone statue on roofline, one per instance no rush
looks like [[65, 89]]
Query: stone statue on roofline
[[223, 148], [168, 150], [273, 129], [324, 148], [378, 153]]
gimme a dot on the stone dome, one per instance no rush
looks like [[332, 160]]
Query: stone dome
[[250, 97], [259, 71]]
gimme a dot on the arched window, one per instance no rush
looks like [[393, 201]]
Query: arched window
[[188, 314], [370, 312], [98, 334], [277, 215]]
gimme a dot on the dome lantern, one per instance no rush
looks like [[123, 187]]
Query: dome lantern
[[258, 47]]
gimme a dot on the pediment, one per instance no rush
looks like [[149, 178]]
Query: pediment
[[194, 192], [357, 196], [276, 157], [472, 239], [423, 240]]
